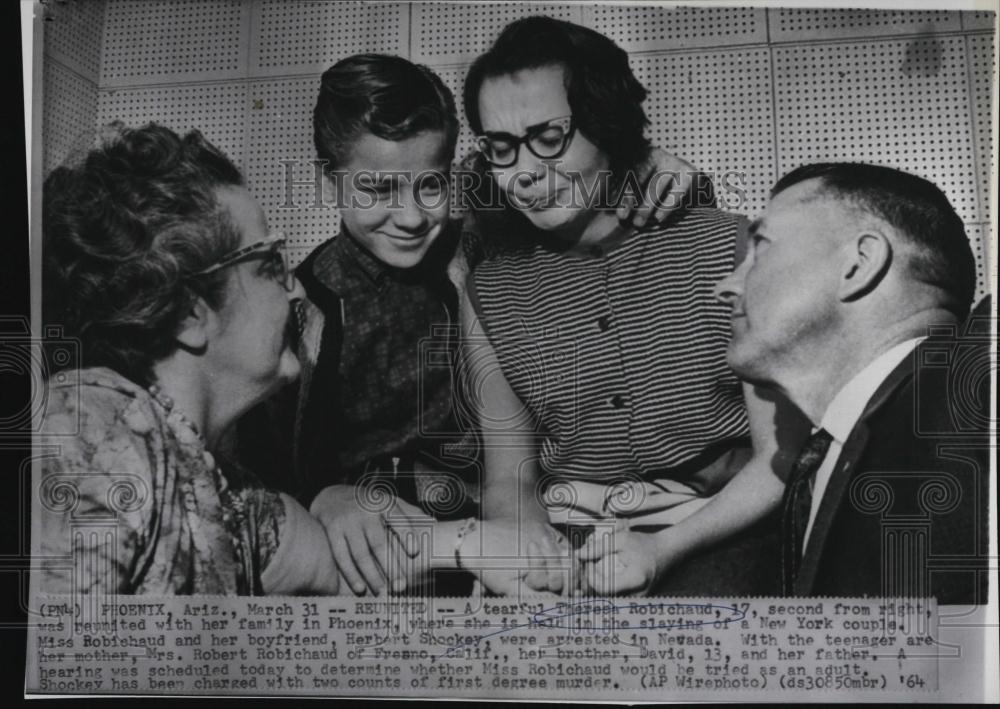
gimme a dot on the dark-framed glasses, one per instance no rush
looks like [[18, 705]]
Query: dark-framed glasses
[[546, 140], [271, 251]]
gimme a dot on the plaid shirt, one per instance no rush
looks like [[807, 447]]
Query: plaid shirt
[[400, 334]]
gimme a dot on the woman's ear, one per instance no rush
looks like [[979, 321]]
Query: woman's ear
[[192, 333], [867, 259]]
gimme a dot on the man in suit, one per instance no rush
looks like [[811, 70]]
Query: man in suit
[[850, 303]]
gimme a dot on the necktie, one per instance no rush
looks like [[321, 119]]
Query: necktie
[[797, 503]]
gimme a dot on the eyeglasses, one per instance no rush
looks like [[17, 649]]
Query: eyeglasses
[[275, 261], [546, 140]]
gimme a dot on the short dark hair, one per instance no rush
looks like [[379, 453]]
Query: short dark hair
[[387, 96], [603, 93], [123, 232], [915, 207]]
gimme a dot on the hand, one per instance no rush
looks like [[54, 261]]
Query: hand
[[617, 561], [667, 179], [542, 556], [302, 563], [367, 551]]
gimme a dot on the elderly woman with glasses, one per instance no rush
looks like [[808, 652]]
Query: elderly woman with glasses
[[159, 263], [597, 351]]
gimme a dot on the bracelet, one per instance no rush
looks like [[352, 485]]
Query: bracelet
[[467, 526]]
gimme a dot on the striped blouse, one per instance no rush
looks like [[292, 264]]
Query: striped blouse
[[621, 355]]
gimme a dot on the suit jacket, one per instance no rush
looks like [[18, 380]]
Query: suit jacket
[[905, 513]]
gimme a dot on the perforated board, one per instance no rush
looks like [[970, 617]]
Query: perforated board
[[797, 25], [454, 78], [73, 33], [902, 103], [70, 113], [280, 129], [979, 236], [217, 110], [300, 37], [171, 41], [452, 33], [643, 29], [714, 110], [982, 73], [979, 20]]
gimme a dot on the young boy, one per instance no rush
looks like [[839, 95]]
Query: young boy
[[376, 400]]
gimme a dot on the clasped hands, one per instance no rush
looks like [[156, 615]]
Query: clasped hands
[[374, 550], [612, 560], [382, 551]]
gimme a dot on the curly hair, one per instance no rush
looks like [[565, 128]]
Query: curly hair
[[123, 232], [387, 96]]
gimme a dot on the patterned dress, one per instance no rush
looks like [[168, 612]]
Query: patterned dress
[[131, 502]]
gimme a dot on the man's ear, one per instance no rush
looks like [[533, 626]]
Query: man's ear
[[192, 333], [867, 259]]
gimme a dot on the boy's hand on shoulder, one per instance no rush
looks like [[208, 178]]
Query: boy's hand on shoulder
[[665, 180]]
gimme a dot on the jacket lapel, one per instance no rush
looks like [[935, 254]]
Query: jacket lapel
[[850, 455]]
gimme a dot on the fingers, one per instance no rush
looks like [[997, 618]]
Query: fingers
[[602, 577], [603, 541], [345, 562], [547, 562], [613, 575], [368, 552], [537, 576], [668, 190], [408, 539], [548, 542], [555, 578], [542, 572], [557, 565], [650, 200], [334, 506], [545, 596], [502, 583], [403, 513], [369, 547], [667, 179], [662, 196], [603, 566], [626, 207], [618, 562], [357, 545], [399, 567]]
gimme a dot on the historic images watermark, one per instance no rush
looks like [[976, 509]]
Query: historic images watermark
[[472, 189]]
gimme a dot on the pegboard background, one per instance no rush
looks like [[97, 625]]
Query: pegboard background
[[900, 102], [734, 90], [73, 36]]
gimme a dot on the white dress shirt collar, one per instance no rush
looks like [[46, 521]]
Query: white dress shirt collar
[[844, 411], [847, 406]]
